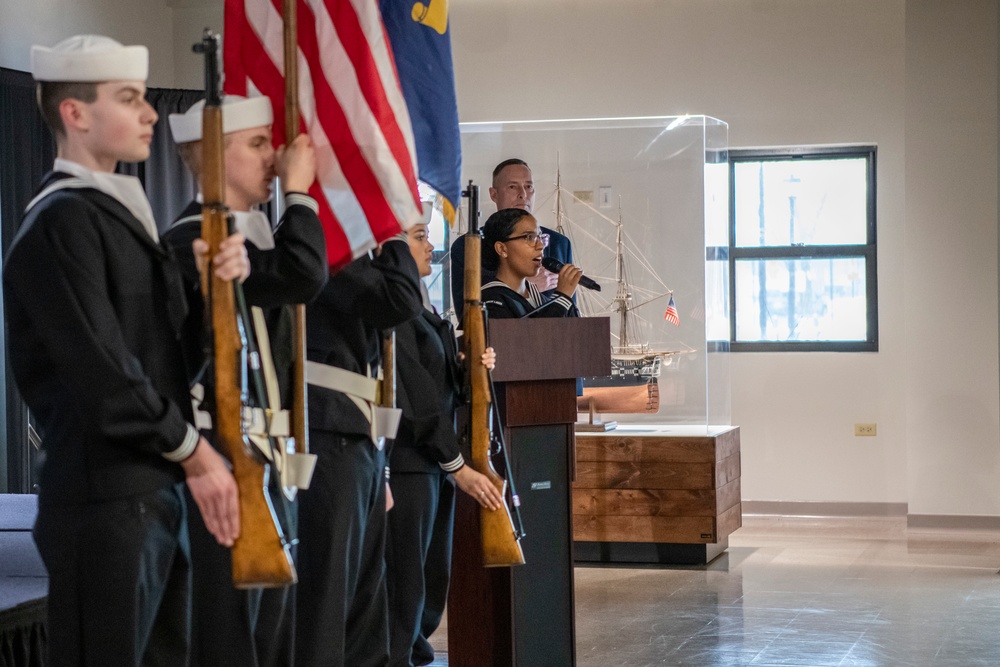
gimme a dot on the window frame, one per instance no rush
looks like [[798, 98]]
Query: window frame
[[867, 251]]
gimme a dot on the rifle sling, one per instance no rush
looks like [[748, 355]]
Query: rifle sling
[[294, 468]]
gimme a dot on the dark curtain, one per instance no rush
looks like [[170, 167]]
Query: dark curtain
[[22, 634], [26, 154], [169, 184]]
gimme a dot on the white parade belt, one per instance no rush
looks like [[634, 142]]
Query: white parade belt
[[294, 468], [363, 391]]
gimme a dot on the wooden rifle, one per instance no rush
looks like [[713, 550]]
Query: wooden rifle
[[500, 539], [260, 554]]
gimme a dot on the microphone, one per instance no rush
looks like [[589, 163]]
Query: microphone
[[555, 266]]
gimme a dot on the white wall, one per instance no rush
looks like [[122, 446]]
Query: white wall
[[916, 77], [167, 27], [950, 261], [47, 22], [190, 18]]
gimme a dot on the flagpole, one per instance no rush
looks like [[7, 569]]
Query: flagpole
[[300, 418], [291, 71]]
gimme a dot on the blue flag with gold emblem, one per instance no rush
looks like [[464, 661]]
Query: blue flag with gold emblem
[[421, 46]]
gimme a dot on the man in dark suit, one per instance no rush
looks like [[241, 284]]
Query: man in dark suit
[[97, 315], [512, 187]]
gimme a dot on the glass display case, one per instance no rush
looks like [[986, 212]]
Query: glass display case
[[645, 204]]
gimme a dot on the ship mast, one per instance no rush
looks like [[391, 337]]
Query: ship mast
[[623, 295], [583, 301], [559, 209]]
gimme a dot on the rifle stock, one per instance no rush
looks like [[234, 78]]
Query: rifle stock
[[501, 547], [260, 555]]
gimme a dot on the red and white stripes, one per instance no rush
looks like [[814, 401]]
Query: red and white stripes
[[350, 104]]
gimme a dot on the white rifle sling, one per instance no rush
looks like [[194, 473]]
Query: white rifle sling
[[202, 419], [294, 469]]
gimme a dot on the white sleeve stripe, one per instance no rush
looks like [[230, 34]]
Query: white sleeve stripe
[[453, 465], [186, 448], [293, 198]]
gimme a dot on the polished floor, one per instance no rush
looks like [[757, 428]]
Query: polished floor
[[800, 591]]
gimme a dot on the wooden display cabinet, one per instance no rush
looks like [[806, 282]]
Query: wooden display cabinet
[[656, 494]]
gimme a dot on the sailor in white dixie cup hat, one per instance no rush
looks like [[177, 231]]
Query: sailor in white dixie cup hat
[[238, 113], [69, 74], [249, 184], [96, 315], [253, 627]]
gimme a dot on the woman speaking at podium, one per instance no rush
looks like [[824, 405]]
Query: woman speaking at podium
[[512, 246]]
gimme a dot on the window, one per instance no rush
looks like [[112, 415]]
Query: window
[[802, 260], [440, 235]]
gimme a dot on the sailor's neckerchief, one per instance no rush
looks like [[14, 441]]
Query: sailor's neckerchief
[[534, 296], [254, 225], [126, 190]]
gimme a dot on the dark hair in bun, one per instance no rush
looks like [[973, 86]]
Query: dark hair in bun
[[499, 227]]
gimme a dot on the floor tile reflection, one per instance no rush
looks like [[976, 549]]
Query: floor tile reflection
[[800, 591]]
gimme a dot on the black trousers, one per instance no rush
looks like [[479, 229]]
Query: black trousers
[[418, 563], [231, 626], [341, 601], [119, 580]]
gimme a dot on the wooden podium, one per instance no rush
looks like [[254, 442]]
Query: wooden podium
[[523, 616]]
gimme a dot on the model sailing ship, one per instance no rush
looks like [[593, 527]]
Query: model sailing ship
[[633, 386]]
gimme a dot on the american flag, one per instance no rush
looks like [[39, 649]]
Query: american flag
[[350, 104], [671, 313]]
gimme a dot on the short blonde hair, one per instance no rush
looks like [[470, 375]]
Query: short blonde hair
[[190, 153]]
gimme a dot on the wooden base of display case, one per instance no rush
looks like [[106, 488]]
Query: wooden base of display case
[[656, 494]]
